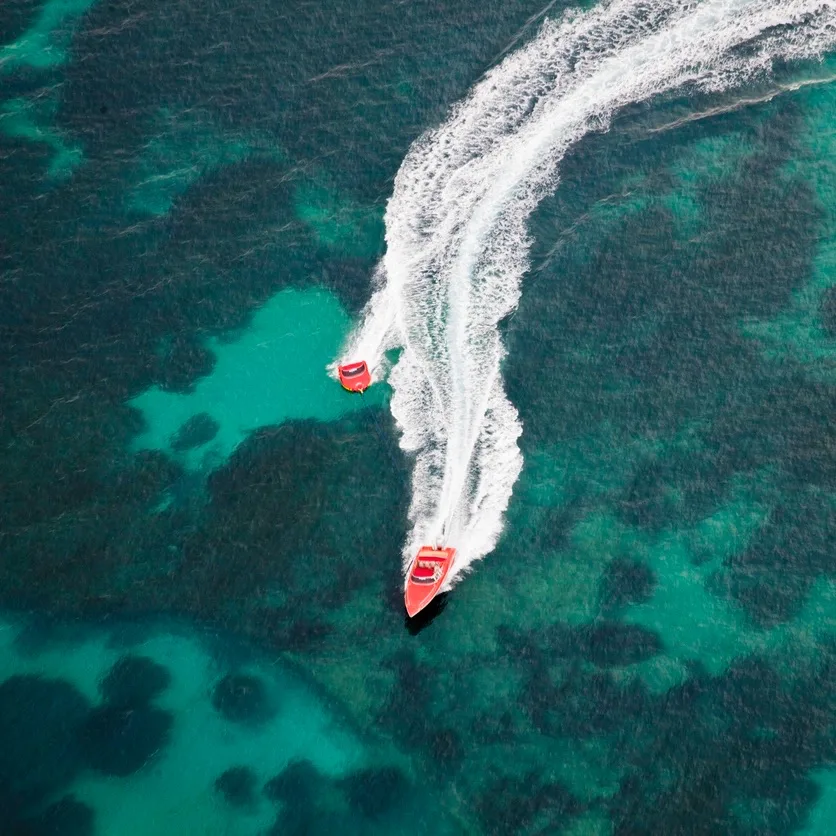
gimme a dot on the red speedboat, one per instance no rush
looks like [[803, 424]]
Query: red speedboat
[[355, 376], [427, 573]]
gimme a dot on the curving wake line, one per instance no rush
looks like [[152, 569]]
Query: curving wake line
[[456, 237]]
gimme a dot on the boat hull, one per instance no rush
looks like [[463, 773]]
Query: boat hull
[[426, 576]]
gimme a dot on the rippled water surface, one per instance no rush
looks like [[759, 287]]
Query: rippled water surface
[[605, 335]]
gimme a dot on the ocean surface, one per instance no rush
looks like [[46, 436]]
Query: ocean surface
[[590, 255]]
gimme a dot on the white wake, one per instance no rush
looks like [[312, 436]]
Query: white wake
[[457, 245]]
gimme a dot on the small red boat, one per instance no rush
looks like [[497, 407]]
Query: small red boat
[[355, 377], [427, 573]]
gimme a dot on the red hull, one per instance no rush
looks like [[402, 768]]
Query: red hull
[[355, 377], [426, 575]]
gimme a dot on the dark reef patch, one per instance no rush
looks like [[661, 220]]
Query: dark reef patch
[[610, 644], [827, 311], [411, 688], [489, 728], [446, 749], [677, 489], [579, 702], [745, 742], [653, 317], [373, 792], [66, 817], [198, 430], [639, 314], [773, 575], [243, 698], [276, 521], [182, 360], [297, 783], [300, 788], [289, 630], [119, 741], [15, 17], [108, 100], [142, 479], [134, 681], [590, 704], [510, 805], [240, 198], [604, 643], [783, 810], [84, 544], [39, 722], [237, 785], [625, 582]]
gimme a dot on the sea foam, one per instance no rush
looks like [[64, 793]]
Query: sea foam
[[456, 238]]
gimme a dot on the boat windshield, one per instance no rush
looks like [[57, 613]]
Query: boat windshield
[[354, 372]]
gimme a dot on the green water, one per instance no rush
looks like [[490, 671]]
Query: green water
[[649, 648], [273, 371]]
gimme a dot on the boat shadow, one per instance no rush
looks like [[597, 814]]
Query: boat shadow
[[426, 617]]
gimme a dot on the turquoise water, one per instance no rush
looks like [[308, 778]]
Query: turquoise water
[[202, 627], [269, 374]]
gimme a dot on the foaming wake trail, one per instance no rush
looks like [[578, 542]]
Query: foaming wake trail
[[377, 333], [457, 245]]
